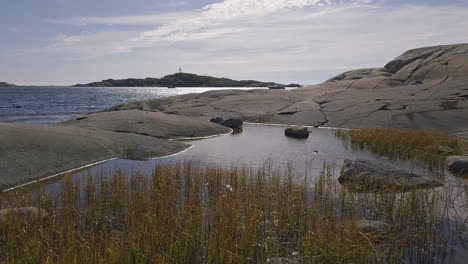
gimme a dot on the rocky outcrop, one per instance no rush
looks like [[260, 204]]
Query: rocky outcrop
[[421, 89], [181, 80], [153, 124], [458, 165], [5, 84], [369, 176], [297, 132]]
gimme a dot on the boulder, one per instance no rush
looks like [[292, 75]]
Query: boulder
[[217, 120], [297, 132], [370, 176], [24, 212], [372, 227], [458, 165], [233, 123]]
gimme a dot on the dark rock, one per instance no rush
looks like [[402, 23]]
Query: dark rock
[[372, 227], [233, 123], [458, 165], [369, 176], [217, 120], [297, 132], [24, 212], [180, 80], [5, 84]]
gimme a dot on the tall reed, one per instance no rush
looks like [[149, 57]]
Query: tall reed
[[429, 148], [188, 214]]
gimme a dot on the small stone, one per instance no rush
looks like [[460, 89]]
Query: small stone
[[444, 150], [297, 132], [217, 120], [458, 165]]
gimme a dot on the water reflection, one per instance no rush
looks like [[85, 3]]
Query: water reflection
[[253, 147]]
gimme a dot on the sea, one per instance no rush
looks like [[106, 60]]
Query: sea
[[53, 104]]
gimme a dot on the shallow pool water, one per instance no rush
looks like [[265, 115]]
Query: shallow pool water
[[254, 147]]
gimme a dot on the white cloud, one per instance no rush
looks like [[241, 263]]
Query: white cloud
[[218, 14], [278, 40], [144, 20]]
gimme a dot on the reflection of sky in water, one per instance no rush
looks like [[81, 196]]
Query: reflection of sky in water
[[253, 147]]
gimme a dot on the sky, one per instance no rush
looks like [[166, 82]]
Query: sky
[[64, 42]]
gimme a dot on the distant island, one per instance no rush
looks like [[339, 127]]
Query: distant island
[[182, 80], [5, 84]]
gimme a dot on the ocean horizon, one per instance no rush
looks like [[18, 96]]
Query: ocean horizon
[[54, 104]]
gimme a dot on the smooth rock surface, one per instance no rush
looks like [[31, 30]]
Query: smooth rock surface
[[297, 132], [154, 124], [424, 88], [458, 165], [370, 176], [29, 152]]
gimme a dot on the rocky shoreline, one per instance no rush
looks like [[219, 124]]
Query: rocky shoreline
[[422, 89], [5, 84]]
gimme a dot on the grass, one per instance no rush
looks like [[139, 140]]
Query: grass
[[419, 146], [187, 214]]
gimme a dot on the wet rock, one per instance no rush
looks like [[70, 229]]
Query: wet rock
[[372, 227], [24, 212], [233, 123], [458, 165], [297, 132], [281, 261], [217, 120], [370, 176]]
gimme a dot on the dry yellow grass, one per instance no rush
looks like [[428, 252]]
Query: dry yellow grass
[[183, 214]]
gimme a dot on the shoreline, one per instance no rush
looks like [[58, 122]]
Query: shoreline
[[114, 158], [85, 167]]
